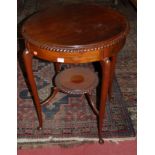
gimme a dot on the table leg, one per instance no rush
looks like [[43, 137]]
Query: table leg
[[55, 90], [91, 103], [27, 57], [106, 66], [49, 99], [113, 63], [57, 66]]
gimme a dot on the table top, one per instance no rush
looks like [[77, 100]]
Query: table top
[[74, 26]]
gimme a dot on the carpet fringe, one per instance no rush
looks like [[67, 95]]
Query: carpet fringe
[[52, 139]]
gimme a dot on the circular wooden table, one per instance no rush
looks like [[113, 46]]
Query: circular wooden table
[[75, 34]]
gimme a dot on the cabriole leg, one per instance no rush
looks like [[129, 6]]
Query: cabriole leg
[[105, 65], [27, 57]]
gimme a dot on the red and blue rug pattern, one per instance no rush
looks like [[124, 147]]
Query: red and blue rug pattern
[[67, 115]]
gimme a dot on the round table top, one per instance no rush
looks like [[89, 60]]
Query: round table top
[[74, 26]]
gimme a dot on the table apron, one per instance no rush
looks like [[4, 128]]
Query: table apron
[[75, 57]]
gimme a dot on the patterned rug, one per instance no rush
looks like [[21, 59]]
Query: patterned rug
[[67, 116]]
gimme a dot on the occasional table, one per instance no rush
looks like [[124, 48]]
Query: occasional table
[[78, 33]]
